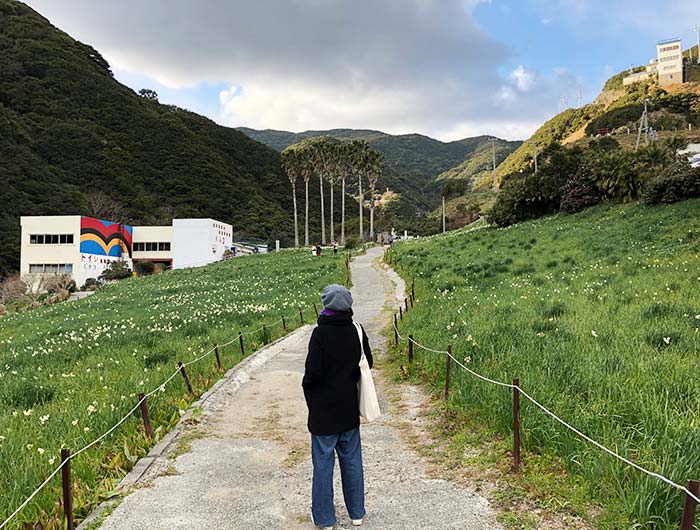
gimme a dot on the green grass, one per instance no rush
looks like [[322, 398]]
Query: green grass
[[598, 314], [68, 372]]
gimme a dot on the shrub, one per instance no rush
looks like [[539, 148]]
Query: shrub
[[3, 310], [58, 283], [352, 243], [679, 181], [579, 192], [615, 118], [117, 270], [13, 289], [145, 268]]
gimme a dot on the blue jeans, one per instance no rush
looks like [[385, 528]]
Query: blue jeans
[[347, 445]]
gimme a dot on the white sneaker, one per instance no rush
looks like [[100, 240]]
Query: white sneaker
[[356, 522]]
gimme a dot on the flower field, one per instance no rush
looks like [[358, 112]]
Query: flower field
[[598, 315], [70, 371]]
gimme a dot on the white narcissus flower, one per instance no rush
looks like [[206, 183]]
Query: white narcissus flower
[[593, 332]]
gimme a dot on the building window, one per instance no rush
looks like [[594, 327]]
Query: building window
[[153, 246], [51, 239], [51, 268]]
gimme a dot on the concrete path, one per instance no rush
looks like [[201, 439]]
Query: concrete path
[[248, 463]]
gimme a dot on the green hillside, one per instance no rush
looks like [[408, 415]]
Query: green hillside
[[68, 130], [553, 130], [70, 371], [598, 314], [413, 162]]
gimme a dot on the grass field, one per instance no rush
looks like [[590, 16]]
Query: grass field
[[68, 372], [598, 314]]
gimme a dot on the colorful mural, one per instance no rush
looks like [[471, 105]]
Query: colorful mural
[[102, 238]]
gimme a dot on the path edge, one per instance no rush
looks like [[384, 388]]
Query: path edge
[[236, 376]]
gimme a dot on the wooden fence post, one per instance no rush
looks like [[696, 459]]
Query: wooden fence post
[[316, 310], [144, 414], [240, 341], [516, 425], [67, 489], [411, 300], [413, 287], [301, 317], [400, 312], [284, 324], [690, 506], [405, 301], [448, 370], [264, 334], [396, 332], [184, 375], [216, 354], [410, 348]]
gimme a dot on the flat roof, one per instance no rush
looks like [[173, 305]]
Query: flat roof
[[669, 41]]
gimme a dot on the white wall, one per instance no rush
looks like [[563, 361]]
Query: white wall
[[197, 242], [153, 234], [34, 254], [670, 62]]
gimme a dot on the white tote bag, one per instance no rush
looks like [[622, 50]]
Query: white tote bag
[[369, 405]]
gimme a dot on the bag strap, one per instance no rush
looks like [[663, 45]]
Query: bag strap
[[358, 328]]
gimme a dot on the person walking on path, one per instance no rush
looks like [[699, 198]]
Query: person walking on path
[[330, 389]]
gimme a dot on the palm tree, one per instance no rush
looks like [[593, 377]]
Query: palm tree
[[332, 167], [374, 171], [290, 162], [345, 153], [319, 157], [359, 164], [307, 169]]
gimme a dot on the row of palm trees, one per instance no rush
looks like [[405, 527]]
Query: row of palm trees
[[333, 161]]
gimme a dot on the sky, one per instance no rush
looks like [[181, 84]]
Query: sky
[[448, 69]]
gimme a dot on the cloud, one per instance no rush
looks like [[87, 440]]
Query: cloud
[[524, 78], [394, 65]]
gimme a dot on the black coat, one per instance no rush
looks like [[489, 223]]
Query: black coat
[[332, 373]]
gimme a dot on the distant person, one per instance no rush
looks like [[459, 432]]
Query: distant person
[[314, 250], [330, 388], [335, 248], [319, 249]]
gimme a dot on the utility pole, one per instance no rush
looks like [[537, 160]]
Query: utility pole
[[444, 229], [579, 97], [643, 126], [696, 29], [534, 156], [493, 156]]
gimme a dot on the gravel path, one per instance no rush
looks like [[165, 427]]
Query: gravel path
[[248, 463]]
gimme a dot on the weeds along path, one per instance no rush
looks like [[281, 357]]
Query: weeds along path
[[245, 463]]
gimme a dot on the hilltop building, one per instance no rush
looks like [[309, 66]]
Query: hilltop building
[[668, 67], [84, 247]]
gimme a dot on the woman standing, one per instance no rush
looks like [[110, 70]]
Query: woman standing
[[330, 389]]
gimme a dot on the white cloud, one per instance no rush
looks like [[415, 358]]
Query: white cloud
[[395, 65], [524, 78]]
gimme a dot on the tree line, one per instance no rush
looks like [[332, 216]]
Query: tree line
[[333, 161]]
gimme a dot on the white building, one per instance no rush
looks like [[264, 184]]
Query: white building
[[199, 241], [84, 247], [670, 61]]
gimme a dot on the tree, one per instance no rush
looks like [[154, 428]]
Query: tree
[[345, 154], [319, 152], [147, 93], [359, 165], [102, 206], [290, 163], [307, 169], [374, 171]]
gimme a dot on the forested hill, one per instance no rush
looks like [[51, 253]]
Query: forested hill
[[413, 162], [73, 140]]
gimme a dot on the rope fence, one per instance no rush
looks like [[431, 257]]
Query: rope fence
[[691, 491], [67, 456]]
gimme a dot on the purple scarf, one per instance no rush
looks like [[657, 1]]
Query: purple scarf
[[328, 312]]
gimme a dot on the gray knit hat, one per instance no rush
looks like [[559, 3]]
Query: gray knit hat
[[336, 298]]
